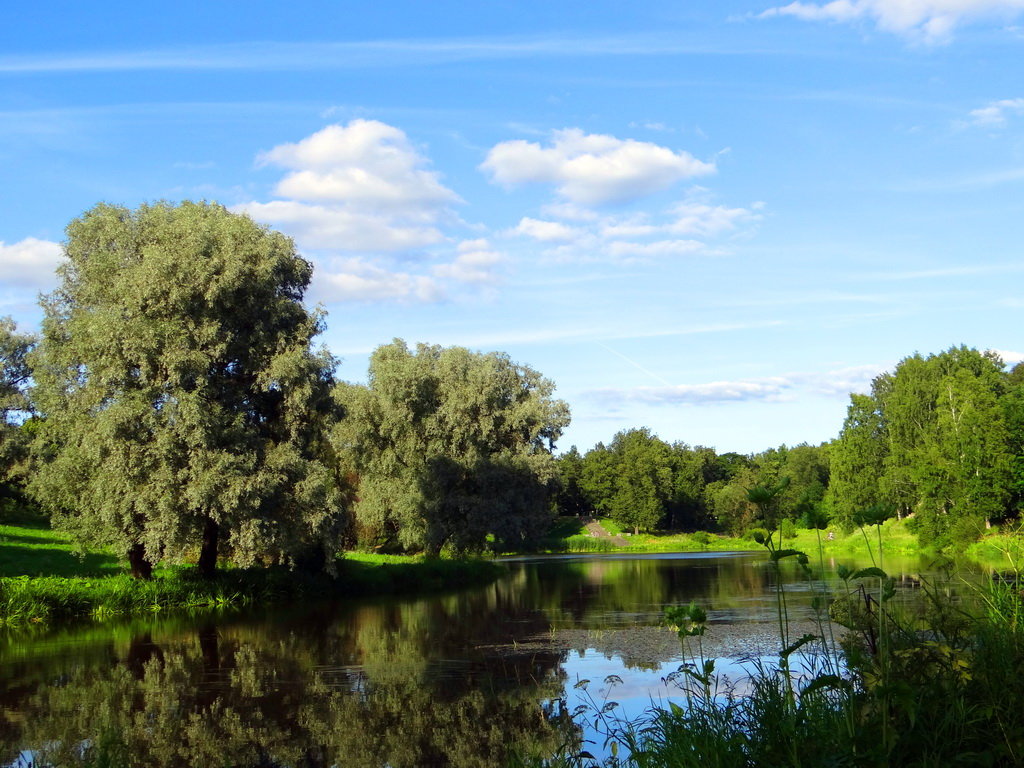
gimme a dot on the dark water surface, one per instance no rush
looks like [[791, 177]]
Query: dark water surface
[[450, 680]]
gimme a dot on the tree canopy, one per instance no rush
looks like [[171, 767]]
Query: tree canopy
[[935, 439], [450, 446], [184, 408]]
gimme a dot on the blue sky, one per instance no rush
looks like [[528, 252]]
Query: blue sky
[[711, 219]]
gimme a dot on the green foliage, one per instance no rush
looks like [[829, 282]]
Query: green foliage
[[934, 439], [569, 497], [182, 401], [631, 481], [15, 407], [450, 446]]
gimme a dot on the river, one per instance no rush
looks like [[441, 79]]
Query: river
[[456, 679]]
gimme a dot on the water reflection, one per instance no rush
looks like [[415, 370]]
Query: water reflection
[[455, 680]]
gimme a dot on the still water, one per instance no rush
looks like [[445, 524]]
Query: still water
[[449, 680]]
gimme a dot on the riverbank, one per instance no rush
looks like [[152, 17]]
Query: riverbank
[[894, 536], [44, 581]]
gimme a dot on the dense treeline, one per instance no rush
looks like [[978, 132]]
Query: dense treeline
[[642, 482], [939, 440], [175, 408]]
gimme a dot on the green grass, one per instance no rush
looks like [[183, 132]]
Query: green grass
[[43, 581], [33, 549]]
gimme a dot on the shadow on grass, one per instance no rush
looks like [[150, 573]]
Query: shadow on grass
[[38, 551]]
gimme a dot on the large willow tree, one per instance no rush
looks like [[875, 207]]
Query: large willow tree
[[450, 446], [185, 409]]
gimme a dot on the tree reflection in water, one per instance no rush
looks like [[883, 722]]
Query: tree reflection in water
[[452, 680], [372, 689]]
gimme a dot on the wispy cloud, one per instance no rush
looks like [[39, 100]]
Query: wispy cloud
[[925, 274], [995, 113], [268, 56], [771, 389]]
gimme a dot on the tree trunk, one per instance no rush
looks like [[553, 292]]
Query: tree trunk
[[208, 554], [141, 568]]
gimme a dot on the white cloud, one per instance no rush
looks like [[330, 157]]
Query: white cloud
[[545, 231], [365, 165], [684, 228], [30, 263], [358, 187], [703, 220], [362, 202], [657, 248], [932, 21], [593, 169], [994, 114], [1009, 357], [337, 228], [769, 389], [355, 279], [476, 263], [835, 383]]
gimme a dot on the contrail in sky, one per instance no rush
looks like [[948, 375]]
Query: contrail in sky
[[635, 364]]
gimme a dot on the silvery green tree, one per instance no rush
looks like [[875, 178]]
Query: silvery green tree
[[450, 446], [184, 408], [14, 406]]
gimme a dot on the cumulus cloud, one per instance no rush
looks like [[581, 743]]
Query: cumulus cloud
[[358, 187], [834, 383], [364, 204], [592, 169], [365, 165], [30, 263], [994, 114], [931, 21]]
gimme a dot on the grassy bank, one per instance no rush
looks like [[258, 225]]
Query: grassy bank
[[896, 539], [43, 581]]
